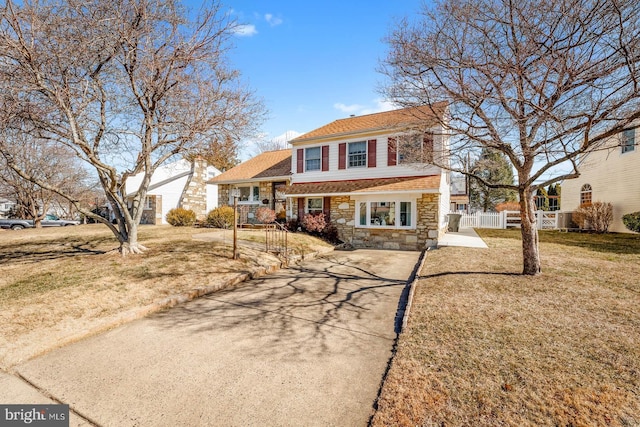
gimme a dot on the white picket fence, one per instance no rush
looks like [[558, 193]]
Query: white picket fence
[[508, 219]]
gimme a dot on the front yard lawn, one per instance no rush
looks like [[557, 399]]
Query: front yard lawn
[[485, 346], [58, 284]]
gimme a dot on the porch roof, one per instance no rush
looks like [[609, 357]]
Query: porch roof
[[266, 166], [405, 184]]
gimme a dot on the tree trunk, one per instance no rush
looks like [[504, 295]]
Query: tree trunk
[[529, 230], [128, 238]]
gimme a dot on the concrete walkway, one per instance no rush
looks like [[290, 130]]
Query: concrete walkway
[[306, 345], [466, 237]]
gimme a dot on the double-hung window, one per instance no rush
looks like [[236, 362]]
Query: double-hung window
[[314, 205], [357, 154], [392, 213], [415, 148], [312, 159], [628, 142]]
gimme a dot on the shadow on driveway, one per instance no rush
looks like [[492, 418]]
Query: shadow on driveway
[[304, 346]]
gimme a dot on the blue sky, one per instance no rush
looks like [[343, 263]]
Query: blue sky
[[314, 62]]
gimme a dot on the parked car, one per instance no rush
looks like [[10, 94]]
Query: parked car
[[48, 221]]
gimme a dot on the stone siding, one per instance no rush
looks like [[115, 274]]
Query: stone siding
[[154, 215], [247, 211], [223, 194], [424, 235], [194, 196]]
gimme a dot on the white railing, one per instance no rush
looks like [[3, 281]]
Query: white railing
[[508, 219]]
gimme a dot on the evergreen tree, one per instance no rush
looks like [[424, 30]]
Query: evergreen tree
[[493, 168]]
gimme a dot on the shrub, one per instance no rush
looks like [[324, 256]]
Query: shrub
[[292, 225], [265, 215], [632, 221], [221, 217], [596, 216], [508, 206], [330, 234], [179, 217], [314, 223]]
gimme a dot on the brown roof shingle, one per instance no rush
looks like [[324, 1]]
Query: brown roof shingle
[[376, 185], [271, 164], [404, 117]]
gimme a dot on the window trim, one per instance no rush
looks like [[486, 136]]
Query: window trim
[[147, 204], [252, 192], [386, 199], [306, 205], [363, 155], [584, 190], [628, 141], [307, 159], [426, 155]]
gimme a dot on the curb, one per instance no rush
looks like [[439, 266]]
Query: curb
[[412, 289]]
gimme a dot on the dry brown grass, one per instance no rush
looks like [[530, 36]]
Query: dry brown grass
[[485, 346], [60, 283]]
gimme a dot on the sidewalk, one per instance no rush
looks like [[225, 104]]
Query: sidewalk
[[466, 237]]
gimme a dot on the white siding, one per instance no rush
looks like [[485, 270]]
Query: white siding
[[380, 171], [614, 177], [212, 197], [161, 174], [170, 193], [445, 199], [212, 189]]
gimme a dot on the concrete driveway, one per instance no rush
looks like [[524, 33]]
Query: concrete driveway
[[304, 346]]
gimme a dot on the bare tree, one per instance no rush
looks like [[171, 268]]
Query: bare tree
[[54, 164], [126, 84], [278, 143], [542, 82]]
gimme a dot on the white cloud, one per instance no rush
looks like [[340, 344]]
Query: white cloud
[[246, 30], [348, 108], [379, 105], [272, 20], [286, 137], [263, 141]]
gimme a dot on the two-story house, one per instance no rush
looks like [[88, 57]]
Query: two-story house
[[611, 174], [374, 177]]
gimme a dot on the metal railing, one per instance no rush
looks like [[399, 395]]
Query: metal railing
[[277, 239]]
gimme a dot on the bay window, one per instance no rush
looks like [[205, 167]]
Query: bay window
[[388, 213]]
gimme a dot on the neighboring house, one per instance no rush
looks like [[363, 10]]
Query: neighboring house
[[612, 175], [178, 184], [373, 178], [260, 180], [5, 206], [459, 195]]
